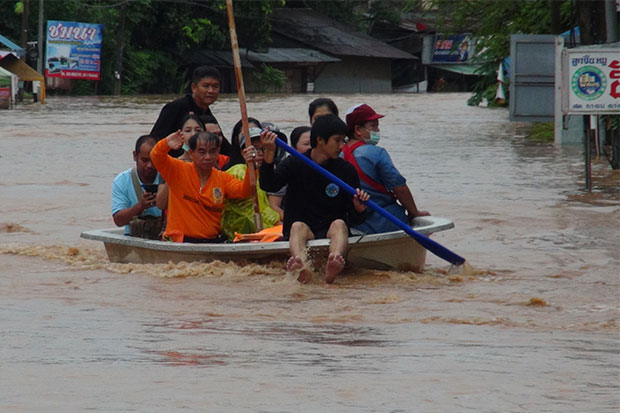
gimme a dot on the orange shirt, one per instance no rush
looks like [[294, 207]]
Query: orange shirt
[[222, 160], [194, 212]]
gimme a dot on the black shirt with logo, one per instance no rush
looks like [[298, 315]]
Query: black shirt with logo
[[310, 197]]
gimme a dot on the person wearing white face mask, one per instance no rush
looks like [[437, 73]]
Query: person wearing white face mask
[[378, 175]]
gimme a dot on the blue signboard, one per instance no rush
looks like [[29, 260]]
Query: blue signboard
[[73, 50], [452, 49]]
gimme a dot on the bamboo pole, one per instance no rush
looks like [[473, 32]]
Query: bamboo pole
[[258, 221]]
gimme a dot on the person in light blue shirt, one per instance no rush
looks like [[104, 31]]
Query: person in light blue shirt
[[142, 179], [378, 175]]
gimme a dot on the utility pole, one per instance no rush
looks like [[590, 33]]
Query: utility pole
[[24, 42], [25, 19], [120, 43], [41, 38], [555, 16], [35, 91], [591, 15]]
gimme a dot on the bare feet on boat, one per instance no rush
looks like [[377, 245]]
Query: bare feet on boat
[[294, 264], [334, 266]]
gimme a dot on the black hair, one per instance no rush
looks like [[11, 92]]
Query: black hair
[[205, 71], [142, 139], [317, 103], [206, 137], [234, 140], [193, 117], [325, 127], [296, 134]]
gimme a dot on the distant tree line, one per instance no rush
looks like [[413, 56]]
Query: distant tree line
[[147, 41]]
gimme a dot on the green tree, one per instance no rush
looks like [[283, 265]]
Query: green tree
[[360, 14], [148, 41], [492, 22]]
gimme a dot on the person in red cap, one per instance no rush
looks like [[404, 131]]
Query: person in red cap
[[378, 175]]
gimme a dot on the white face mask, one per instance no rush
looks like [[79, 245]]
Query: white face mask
[[185, 147]]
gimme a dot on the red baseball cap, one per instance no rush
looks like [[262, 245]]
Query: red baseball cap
[[360, 114]]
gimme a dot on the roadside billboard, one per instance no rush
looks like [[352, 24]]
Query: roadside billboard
[[73, 50], [591, 81], [456, 48]]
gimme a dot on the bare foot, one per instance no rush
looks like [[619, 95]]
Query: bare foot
[[305, 276], [294, 264], [334, 266]]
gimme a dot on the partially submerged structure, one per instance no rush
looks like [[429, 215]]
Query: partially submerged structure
[[24, 72], [17, 69], [365, 63], [316, 54], [8, 89]]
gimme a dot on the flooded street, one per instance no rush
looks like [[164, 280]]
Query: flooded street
[[535, 328]]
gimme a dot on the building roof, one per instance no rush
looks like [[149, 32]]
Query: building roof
[[464, 69], [21, 69], [223, 58], [12, 46], [327, 35], [288, 55], [24, 72], [217, 58], [5, 73]]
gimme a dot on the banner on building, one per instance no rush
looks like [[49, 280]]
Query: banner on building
[[5, 97], [73, 50], [591, 81], [456, 48]]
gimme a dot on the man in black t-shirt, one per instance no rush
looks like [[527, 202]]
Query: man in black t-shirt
[[315, 207], [205, 91]]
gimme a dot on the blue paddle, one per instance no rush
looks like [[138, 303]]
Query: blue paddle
[[423, 240]]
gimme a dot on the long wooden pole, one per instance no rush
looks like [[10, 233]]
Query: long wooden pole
[[258, 220]]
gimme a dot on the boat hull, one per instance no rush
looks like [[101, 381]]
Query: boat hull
[[390, 250]]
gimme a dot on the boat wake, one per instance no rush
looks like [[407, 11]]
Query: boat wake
[[79, 258]]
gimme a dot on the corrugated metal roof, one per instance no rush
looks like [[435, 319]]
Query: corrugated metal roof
[[217, 58], [320, 32], [288, 55], [468, 70]]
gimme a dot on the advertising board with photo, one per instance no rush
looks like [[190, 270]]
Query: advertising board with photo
[[73, 50], [456, 48]]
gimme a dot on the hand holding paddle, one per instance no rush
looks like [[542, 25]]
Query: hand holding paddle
[[360, 199], [268, 140], [423, 240]]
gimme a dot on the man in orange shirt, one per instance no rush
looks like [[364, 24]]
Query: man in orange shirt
[[197, 189]]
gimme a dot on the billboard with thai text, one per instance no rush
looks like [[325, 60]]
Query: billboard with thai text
[[591, 81], [73, 50], [457, 48]]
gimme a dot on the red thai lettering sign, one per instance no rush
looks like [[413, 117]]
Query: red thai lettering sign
[[591, 81]]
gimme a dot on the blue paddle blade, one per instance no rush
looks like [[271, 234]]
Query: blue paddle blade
[[437, 249]]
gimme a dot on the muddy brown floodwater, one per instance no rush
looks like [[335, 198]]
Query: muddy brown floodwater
[[534, 328]]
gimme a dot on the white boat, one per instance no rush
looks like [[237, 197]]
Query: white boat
[[389, 250]]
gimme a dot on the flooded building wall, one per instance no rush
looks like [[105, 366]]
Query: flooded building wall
[[356, 75]]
